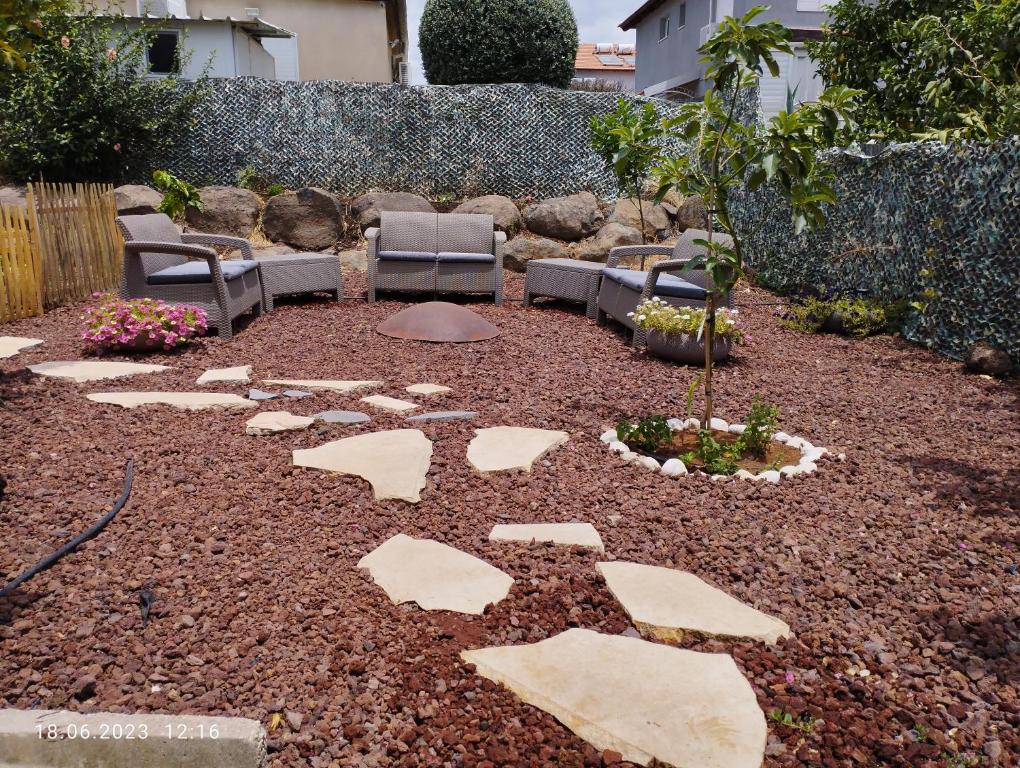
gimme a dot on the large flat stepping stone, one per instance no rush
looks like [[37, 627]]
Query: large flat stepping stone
[[389, 403], [93, 370], [427, 389], [12, 345], [240, 374], [271, 422], [443, 416], [189, 401], [435, 576], [568, 534], [649, 702], [501, 448], [665, 603], [395, 462], [343, 417], [332, 384]]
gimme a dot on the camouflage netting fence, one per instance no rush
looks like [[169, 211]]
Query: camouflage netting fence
[[919, 216]]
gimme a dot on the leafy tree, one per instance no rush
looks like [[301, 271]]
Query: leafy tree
[[498, 41], [929, 68], [726, 153], [83, 108], [20, 23]]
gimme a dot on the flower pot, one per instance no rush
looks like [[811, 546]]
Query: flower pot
[[682, 348]]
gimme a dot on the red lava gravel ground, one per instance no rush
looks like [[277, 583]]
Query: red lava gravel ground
[[896, 569]]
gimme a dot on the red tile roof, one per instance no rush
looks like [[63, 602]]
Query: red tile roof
[[588, 60]]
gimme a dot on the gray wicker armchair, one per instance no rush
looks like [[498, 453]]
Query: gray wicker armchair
[[435, 253], [671, 280], [161, 263]]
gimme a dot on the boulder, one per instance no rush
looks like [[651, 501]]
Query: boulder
[[574, 217], [692, 214], [225, 211], [671, 202], [613, 235], [518, 252], [308, 219], [656, 218], [502, 209], [12, 196], [989, 360], [367, 208], [135, 199]]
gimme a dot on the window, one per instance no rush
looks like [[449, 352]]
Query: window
[[663, 28], [163, 54], [681, 17]]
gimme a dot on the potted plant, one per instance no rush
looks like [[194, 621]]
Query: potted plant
[[140, 325], [676, 333]]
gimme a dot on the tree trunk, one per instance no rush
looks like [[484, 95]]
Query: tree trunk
[[638, 188], [709, 332]]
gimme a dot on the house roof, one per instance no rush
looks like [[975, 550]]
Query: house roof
[[254, 26], [604, 57], [635, 18]]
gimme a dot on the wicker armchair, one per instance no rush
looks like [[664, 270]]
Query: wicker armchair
[[671, 280], [162, 263], [435, 253]]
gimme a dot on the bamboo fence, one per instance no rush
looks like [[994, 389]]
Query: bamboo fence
[[21, 292]]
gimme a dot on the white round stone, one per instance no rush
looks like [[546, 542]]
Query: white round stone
[[609, 436], [781, 437], [618, 447], [771, 476], [743, 474], [629, 455], [737, 429], [812, 454], [648, 461], [692, 424], [720, 424], [795, 442], [807, 467], [674, 468], [791, 470], [676, 423]]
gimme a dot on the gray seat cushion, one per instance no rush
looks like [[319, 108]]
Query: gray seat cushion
[[449, 257], [667, 285], [407, 256], [198, 272]]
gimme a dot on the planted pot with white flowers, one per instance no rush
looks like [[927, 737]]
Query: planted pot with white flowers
[[678, 333]]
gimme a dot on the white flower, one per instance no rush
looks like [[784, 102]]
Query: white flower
[[641, 317], [630, 314]]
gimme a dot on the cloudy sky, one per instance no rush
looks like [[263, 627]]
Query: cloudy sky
[[597, 22]]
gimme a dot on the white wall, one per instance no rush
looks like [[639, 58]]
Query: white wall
[[799, 71], [284, 51]]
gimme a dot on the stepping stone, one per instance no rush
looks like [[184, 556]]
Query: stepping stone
[[395, 462], [443, 416], [271, 422], [665, 603], [189, 401], [92, 370], [649, 702], [389, 403], [12, 345], [428, 389], [240, 374], [343, 417], [297, 393], [569, 534], [258, 394], [435, 576], [335, 385], [501, 448]]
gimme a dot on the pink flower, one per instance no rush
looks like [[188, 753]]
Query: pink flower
[[790, 678], [116, 147], [111, 54], [65, 41]]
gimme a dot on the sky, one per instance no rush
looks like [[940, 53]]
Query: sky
[[597, 22]]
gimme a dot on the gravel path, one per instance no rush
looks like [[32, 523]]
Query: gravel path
[[896, 570]]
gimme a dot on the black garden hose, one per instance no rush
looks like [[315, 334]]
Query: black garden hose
[[51, 560]]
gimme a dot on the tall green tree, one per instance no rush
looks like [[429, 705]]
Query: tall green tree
[[498, 41]]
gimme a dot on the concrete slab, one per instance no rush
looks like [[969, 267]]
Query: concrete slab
[[389, 403], [568, 534], [395, 462], [335, 385], [189, 401], [128, 741], [12, 345], [271, 422], [435, 576], [240, 374], [502, 448], [649, 702], [343, 417], [665, 604], [428, 389], [93, 370]]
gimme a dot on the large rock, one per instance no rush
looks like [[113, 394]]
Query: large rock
[[136, 199], [566, 218], [225, 211], [367, 208], [519, 251], [989, 360], [308, 219], [692, 214], [504, 213], [498, 449], [626, 212], [671, 201], [12, 196], [613, 235]]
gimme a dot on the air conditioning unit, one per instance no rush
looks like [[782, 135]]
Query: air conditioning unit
[[403, 72]]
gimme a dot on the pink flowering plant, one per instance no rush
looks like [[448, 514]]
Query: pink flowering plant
[[141, 324]]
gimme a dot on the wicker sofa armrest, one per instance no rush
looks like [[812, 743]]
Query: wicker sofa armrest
[[615, 254], [498, 245], [200, 238], [672, 266], [181, 249]]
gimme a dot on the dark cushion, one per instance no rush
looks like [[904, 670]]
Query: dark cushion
[[198, 272], [466, 258], [667, 285], [407, 256]]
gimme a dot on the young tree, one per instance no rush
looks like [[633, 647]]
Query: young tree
[[727, 153]]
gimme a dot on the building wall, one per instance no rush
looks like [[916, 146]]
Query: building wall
[[207, 42], [625, 79]]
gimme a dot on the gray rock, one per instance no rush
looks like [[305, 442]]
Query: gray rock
[[519, 251], [308, 219], [444, 416], [355, 259], [12, 196], [367, 208], [692, 214], [225, 211], [566, 218], [296, 393], [343, 417], [136, 199], [504, 213], [258, 394], [626, 212], [613, 235], [989, 360]]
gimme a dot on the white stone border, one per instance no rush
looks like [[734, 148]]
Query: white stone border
[[808, 464]]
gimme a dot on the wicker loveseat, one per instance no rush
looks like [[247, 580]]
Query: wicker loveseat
[[435, 253], [162, 263]]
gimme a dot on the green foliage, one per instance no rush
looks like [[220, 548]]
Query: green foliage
[[83, 109], [249, 178], [178, 195], [760, 425], [648, 434], [805, 723], [655, 314], [272, 190], [20, 28], [850, 316], [932, 69], [714, 458], [961, 759], [498, 41]]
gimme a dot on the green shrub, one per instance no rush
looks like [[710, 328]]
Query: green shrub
[[275, 189], [498, 41], [648, 434], [760, 424], [852, 317], [178, 195]]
